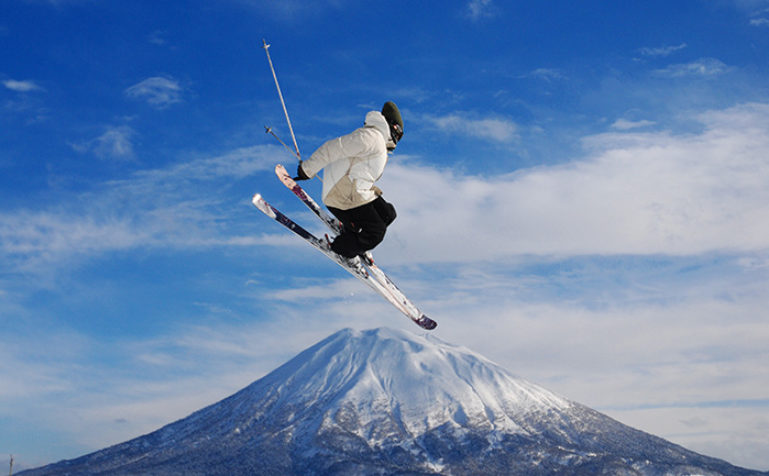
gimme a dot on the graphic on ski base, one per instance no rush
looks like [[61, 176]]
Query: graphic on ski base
[[364, 269]]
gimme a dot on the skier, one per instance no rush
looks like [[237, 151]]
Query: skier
[[353, 163]]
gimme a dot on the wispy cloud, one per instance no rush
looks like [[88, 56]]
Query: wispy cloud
[[21, 86], [160, 92], [759, 21], [662, 51], [556, 344], [478, 9], [235, 164], [30, 239], [625, 124], [498, 130], [546, 74], [703, 67], [160, 379], [115, 143], [26, 102], [164, 207], [749, 5], [158, 38]]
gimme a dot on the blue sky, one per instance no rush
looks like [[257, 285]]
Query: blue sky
[[581, 193]]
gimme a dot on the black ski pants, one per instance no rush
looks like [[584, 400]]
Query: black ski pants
[[364, 227]]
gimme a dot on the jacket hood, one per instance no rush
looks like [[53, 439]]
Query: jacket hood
[[376, 120]]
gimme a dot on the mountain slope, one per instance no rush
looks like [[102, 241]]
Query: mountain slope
[[390, 402]]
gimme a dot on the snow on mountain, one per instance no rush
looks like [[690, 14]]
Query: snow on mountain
[[390, 402]]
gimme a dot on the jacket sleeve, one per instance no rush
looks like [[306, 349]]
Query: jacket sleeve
[[350, 145]]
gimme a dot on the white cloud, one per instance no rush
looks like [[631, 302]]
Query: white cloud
[[328, 289], [750, 5], [701, 67], [172, 207], [116, 142], [633, 363], [145, 384], [636, 363], [477, 9], [39, 243], [234, 164], [633, 193], [158, 38], [495, 129], [159, 92], [21, 86], [662, 50], [760, 22], [624, 124], [25, 103], [735, 434], [548, 74]]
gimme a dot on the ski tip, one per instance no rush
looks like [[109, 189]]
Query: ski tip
[[284, 176], [426, 323], [257, 198]]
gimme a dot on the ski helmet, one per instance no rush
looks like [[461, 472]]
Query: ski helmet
[[393, 117]]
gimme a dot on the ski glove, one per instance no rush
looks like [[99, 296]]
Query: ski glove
[[300, 175]]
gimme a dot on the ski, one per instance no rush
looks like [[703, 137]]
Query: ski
[[335, 226], [331, 222], [354, 266]]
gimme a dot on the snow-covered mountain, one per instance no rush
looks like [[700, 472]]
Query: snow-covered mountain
[[389, 402]]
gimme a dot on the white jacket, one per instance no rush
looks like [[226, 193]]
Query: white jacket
[[352, 164]]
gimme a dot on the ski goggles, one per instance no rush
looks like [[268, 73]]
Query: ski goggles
[[396, 132]]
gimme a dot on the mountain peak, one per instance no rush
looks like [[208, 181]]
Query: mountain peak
[[423, 380], [386, 401]]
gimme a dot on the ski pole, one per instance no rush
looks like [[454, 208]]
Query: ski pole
[[282, 102], [269, 130]]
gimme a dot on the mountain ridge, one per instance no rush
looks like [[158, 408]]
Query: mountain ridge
[[383, 401]]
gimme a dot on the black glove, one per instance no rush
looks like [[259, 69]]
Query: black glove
[[300, 175]]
